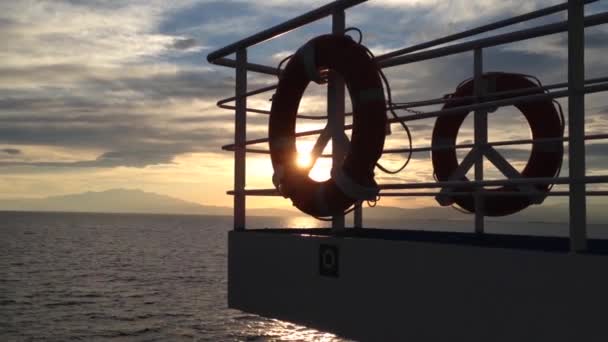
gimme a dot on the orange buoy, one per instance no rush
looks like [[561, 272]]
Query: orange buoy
[[545, 157], [353, 180]]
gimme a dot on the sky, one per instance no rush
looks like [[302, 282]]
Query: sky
[[96, 95]]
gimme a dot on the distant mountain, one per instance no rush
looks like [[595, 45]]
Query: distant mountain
[[138, 201], [126, 201], [114, 201]]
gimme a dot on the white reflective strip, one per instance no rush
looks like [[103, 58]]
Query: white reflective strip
[[370, 95], [351, 188], [307, 56], [319, 199]]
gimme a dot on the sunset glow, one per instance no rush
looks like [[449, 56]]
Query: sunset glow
[[303, 160], [99, 97], [320, 170]]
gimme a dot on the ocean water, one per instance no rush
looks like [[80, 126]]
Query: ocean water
[[97, 277]]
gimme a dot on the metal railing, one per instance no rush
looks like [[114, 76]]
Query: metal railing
[[575, 90]]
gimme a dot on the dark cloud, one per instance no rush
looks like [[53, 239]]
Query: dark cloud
[[133, 140], [65, 105], [184, 44], [182, 84], [596, 156], [96, 114], [98, 4], [11, 151], [105, 109], [44, 72], [192, 16], [595, 38], [107, 160]]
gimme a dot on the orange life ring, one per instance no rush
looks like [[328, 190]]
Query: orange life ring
[[354, 180], [545, 157]]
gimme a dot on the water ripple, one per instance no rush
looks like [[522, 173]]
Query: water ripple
[[89, 277]]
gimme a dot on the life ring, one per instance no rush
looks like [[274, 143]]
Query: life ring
[[354, 180], [545, 158]]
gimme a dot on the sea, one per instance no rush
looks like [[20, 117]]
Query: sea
[[136, 277]]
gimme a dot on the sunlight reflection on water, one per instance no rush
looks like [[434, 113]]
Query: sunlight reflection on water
[[303, 222], [276, 330], [126, 277]]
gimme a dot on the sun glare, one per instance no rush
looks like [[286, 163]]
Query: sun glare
[[320, 171], [303, 159]]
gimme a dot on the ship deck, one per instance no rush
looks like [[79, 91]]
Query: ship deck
[[553, 244]]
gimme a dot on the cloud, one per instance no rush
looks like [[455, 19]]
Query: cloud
[[125, 83], [11, 151], [184, 44], [134, 158]]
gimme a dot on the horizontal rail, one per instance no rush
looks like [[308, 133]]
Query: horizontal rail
[[511, 37], [521, 91], [497, 103], [456, 184], [387, 60], [249, 110], [590, 137], [275, 193], [455, 110], [262, 69], [485, 194], [287, 26], [506, 38], [514, 181], [249, 93], [267, 112], [493, 144], [222, 104], [481, 29]]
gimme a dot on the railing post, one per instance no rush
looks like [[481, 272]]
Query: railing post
[[335, 110], [481, 136], [576, 124], [358, 215], [240, 136]]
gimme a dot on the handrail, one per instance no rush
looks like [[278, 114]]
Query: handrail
[[287, 26], [575, 89], [457, 110], [456, 184], [511, 37], [498, 103], [496, 182], [388, 59], [590, 137], [275, 193], [405, 105], [263, 69], [247, 94], [480, 29]]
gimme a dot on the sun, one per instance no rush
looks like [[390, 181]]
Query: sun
[[320, 171], [303, 160]]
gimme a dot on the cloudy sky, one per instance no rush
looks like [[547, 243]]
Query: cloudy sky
[[99, 94]]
